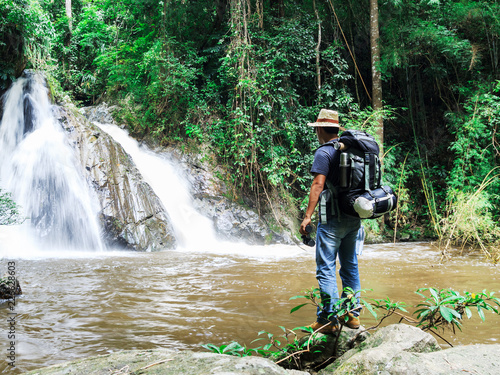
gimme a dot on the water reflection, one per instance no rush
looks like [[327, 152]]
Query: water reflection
[[77, 307]]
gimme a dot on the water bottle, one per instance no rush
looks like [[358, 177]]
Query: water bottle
[[345, 163]]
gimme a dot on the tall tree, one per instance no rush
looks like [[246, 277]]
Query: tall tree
[[69, 15], [376, 75]]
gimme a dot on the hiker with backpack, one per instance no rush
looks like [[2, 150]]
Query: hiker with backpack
[[346, 186]]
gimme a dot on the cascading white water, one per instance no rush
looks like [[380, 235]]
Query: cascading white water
[[192, 230], [38, 166]]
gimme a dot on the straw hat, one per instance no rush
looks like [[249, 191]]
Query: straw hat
[[327, 118]]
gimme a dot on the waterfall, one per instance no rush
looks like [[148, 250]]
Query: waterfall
[[192, 229], [39, 168]]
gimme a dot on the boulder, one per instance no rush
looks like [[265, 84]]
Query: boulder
[[403, 349], [322, 349], [9, 287], [166, 362], [131, 213]]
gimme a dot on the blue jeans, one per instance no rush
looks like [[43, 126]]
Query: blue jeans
[[336, 238]]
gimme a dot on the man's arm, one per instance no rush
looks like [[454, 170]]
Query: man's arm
[[317, 187]]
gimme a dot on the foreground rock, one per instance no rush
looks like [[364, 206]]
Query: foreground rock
[[131, 214], [398, 349], [322, 349], [403, 349], [166, 362]]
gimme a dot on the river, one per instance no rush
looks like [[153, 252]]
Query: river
[[89, 304]]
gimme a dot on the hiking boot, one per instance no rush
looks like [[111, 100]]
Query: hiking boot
[[323, 328], [352, 321]]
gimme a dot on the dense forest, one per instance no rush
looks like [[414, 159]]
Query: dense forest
[[240, 79]]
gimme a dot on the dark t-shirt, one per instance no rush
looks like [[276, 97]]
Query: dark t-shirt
[[326, 162]]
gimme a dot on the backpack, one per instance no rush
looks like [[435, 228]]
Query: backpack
[[359, 193]]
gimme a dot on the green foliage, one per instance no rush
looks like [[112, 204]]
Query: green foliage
[[233, 348], [470, 221], [90, 38], [445, 308], [9, 210], [26, 36], [347, 303], [473, 201], [441, 309]]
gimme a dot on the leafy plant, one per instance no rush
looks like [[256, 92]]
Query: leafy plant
[[233, 348], [439, 310], [445, 308], [9, 210]]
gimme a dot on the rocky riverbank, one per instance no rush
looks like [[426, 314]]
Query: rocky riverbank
[[397, 349]]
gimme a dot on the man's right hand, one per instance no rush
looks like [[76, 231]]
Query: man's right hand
[[316, 189], [303, 226]]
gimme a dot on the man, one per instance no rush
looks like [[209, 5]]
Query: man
[[337, 235]]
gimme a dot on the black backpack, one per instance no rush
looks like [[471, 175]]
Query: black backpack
[[359, 193]]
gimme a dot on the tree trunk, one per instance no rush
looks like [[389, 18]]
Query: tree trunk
[[377, 86], [69, 15], [279, 7], [318, 67], [376, 76]]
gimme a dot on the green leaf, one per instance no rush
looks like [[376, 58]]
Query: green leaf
[[296, 297], [434, 294], [369, 308], [446, 313], [297, 307], [481, 313], [456, 313], [468, 312], [306, 329]]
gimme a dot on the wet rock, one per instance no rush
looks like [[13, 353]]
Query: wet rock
[[323, 348], [166, 362], [130, 212], [9, 287], [100, 114], [235, 222], [403, 349]]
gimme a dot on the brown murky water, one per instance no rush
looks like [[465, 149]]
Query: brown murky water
[[73, 308]]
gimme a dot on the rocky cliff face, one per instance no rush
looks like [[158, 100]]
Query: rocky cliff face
[[231, 220], [131, 214]]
